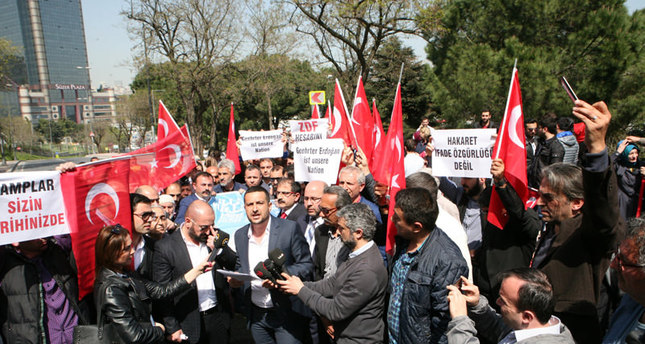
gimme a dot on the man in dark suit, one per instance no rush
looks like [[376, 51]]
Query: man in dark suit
[[274, 317], [203, 186], [143, 244], [288, 200], [202, 313], [329, 251]]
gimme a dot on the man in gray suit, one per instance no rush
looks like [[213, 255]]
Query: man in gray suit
[[274, 316], [353, 298]]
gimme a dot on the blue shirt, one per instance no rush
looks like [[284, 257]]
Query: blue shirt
[[397, 282]]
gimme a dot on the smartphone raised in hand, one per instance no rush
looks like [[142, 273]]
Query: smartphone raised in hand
[[568, 89]]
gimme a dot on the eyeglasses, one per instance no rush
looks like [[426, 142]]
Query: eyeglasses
[[313, 199], [147, 216], [202, 227], [284, 193], [326, 211], [275, 180], [622, 264], [174, 195]]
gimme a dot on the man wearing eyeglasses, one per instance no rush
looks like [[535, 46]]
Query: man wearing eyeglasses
[[144, 245], [287, 200], [583, 226], [628, 321], [313, 196], [203, 313]]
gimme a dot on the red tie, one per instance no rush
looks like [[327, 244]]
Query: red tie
[[283, 215]]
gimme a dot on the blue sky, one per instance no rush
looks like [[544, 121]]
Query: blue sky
[[109, 46]]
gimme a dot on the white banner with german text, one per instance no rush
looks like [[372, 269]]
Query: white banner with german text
[[308, 130], [261, 144], [317, 160]]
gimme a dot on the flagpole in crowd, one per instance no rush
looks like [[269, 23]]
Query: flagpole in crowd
[[508, 100]]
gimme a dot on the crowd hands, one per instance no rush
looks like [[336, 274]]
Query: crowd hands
[[542, 272]]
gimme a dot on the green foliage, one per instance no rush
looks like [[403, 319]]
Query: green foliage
[[593, 43], [59, 129]]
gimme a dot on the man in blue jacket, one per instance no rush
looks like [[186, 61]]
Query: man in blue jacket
[[425, 262]]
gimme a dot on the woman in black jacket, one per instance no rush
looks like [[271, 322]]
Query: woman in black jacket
[[124, 298]]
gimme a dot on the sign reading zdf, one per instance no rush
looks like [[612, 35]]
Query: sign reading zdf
[[316, 97]]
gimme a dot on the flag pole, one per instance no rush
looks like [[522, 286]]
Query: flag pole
[[505, 118], [401, 72], [349, 120]]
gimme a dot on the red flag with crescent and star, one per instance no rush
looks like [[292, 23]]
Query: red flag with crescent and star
[[339, 120], [378, 135], [231, 145], [362, 121], [95, 196], [510, 146], [162, 162], [165, 123], [389, 168]]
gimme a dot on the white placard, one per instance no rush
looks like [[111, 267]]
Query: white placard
[[317, 160], [462, 152], [261, 144], [308, 130], [32, 206]]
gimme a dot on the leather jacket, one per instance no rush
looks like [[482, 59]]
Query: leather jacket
[[125, 301]]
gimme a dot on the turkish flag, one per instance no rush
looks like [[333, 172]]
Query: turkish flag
[[166, 124], [231, 145], [186, 133], [362, 120], [510, 146], [339, 118], [95, 196], [314, 112], [162, 162], [389, 169], [378, 135]]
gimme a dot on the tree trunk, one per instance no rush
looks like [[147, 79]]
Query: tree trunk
[[270, 114]]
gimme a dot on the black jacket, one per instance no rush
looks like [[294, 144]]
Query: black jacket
[[171, 260], [145, 268], [551, 151], [20, 293], [126, 304]]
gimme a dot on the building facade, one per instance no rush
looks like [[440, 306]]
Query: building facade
[[53, 80]]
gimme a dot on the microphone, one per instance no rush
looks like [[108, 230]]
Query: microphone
[[274, 269], [263, 273], [278, 258], [221, 241]]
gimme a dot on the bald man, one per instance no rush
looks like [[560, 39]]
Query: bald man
[[202, 313], [312, 197], [213, 171], [174, 191], [149, 192]]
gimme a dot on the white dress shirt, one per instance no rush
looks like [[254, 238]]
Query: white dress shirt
[[205, 284], [519, 335], [259, 252], [139, 253]]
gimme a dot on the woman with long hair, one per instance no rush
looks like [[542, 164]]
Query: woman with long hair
[[124, 298]]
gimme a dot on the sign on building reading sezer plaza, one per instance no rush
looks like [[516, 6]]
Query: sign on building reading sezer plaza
[[69, 87], [462, 152], [32, 207]]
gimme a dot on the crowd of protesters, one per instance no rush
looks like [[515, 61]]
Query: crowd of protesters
[[312, 261]]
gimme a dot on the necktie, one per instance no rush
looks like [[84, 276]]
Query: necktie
[[283, 215]]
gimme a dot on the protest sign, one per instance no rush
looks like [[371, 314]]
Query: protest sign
[[229, 211], [313, 129], [317, 160], [32, 207], [261, 144], [462, 152]]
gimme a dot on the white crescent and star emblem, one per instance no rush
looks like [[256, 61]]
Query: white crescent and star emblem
[[377, 136], [163, 124], [95, 191], [512, 126], [177, 151], [397, 144], [337, 119]]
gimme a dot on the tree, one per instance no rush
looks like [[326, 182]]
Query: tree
[[193, 36], [384, 77], [349, 34], [475, 43], [59, 129]]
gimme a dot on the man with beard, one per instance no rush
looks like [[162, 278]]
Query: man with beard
[[353, 298], [203, 313], [466, 197], [203, 186], [532, 149], [226, 174], [273, 316]]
